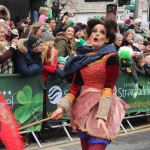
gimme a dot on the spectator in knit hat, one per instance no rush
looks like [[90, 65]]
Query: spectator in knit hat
[[28, 59], [138, 43], [125, 27], [136, 25], [77, 31], [118, 41], [61, 62], [60, 67], [127, 21], [49, 55], [14, 36]]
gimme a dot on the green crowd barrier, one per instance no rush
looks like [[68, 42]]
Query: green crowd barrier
[[55, 90], [25, 96], [125, 90]]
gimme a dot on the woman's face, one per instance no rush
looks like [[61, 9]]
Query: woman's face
[[51, 43], [140, 42], [69, 32], [129, 38], [98, 36], [118, 42], [2, 33], [39, 32]]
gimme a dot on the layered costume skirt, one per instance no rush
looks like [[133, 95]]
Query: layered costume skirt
[[84, 110]]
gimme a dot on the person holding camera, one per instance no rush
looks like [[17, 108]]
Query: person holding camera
[[6, 52], [56, 27]]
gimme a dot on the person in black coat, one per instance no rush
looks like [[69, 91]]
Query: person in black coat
[[28, 59]]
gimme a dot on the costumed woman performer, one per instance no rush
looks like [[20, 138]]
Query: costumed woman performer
[[95, 110]]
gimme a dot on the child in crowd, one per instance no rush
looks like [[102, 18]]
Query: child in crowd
[[61, 62], [43, 14]]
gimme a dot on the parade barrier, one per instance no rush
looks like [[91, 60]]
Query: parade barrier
[[125, 90], [25, 96], [55, 90]]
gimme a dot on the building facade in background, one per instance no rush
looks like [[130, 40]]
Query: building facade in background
[[83, 11]]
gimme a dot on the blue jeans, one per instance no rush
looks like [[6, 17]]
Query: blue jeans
[[34, 16]]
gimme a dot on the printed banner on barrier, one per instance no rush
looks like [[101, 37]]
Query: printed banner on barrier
[[125, 90], [25, 96], [55, 90]]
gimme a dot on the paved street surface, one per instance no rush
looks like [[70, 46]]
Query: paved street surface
[[139, 139]]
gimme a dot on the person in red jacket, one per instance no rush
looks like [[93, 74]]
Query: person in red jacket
[[49, 55]]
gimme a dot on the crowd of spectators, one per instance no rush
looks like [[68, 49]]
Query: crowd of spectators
[[43, 47]]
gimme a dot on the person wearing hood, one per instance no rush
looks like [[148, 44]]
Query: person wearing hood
[[63, 42], [28, 59], [4, 13], [91, 101]]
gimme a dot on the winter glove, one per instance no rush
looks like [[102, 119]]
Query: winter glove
[[103, 108], [66, 102]]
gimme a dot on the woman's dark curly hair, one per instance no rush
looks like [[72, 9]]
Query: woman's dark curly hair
[[64, 30], [109, 24]]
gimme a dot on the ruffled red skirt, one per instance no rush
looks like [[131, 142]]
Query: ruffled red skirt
[[84, 110]]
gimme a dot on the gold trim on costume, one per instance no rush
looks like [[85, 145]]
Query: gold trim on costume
[[91, 134], [103, 59]]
